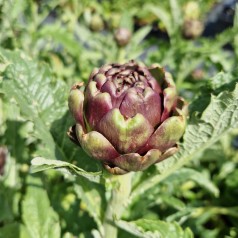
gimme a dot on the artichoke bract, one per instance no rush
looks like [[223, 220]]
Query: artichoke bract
[[128, 116]]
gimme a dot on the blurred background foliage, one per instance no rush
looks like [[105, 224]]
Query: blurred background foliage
[[194, 40]]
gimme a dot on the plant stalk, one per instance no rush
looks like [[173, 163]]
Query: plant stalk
[[121, 55], [117, 204]]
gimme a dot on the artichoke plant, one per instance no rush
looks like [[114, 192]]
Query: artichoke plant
[[128, 116]]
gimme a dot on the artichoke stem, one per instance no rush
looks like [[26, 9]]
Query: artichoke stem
[[119, 199], [121, 55]]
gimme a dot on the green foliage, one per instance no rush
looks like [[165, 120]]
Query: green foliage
[[38, 216], [46, 46], [40, 164], [152, 229]]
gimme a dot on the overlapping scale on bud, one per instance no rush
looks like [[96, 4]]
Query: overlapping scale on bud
[[128, 116]]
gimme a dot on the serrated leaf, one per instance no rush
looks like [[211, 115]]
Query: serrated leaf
[[186, 174], [139, 35], [40, 99], [91, 194], [164, 16], [218, 118], [14, 230], [134, 49], [11, 174], [145, 228], [3, 64], [171, 201], [6, 207], [40, 164], [176, 12], [39, 217], [62, 38], [43, 101], [220, 80]]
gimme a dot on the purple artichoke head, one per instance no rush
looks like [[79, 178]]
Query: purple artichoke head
[[128, 117]]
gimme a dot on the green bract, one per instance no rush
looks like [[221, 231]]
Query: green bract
[[128, 117]]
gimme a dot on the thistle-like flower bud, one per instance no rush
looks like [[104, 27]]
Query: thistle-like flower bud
[[96, 23], [128, 117], [122, 36], [192, 29]]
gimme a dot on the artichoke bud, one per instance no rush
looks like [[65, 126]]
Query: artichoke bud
[[122, 36], [192, 25], [192, 29], [96, 23], [128, 117], [192, 11], [114, 20]]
